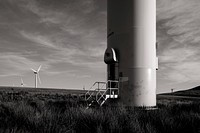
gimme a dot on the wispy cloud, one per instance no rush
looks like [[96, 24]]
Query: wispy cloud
[[178, 35], [14, 64], [68, 37], [77, 37], [38, 39]]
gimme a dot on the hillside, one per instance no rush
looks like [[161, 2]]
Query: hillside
[[8, 94], [41, 90], [194, 92]]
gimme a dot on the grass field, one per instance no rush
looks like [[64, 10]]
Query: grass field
[[23, 111]]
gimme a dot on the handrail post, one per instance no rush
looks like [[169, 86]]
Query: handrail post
[[98, 86], [110, 88]]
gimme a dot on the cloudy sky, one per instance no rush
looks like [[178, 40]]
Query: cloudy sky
[[68, 37]]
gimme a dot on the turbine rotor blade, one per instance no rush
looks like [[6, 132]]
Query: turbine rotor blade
[[22, 80], [38, 76], [39, 68], [33, 70]]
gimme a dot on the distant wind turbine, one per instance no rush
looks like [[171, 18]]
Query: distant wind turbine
[[36, 72], [22, 82]]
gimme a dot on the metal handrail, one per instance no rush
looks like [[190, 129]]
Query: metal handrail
[[108, 88], [100, 91], [102, 96], [91, 91]]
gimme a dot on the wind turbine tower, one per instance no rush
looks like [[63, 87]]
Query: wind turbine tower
[[131, 50], [36, 72]]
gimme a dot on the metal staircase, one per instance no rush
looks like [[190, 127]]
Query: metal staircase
[[101, 91], [96, 87]]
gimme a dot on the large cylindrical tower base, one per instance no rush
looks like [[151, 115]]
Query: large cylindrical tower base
[[131, 50], [138, 88]]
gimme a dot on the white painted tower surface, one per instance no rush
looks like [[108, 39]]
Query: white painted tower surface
[[131, 50]]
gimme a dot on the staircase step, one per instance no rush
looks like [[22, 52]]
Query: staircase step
[[111, 96]]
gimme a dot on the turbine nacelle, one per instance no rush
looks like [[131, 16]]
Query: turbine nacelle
[[22, 82]]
